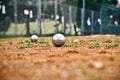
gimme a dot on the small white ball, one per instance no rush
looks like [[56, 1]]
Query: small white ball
[[34, 38], [58, 40]]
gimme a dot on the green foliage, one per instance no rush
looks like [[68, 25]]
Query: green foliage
[[93, 40], [25, 46], [82, 42], [72, 43], [111, 46], [67, 43], [95, 45], [90, 3], [22, 47], [108, 41], [27, 41], [117, 41], [42, 41]]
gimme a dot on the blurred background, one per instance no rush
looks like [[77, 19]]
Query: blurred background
[[70, 17]]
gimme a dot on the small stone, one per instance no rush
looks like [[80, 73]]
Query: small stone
[[98, 65]]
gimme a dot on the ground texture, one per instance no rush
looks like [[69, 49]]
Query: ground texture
[[81, 58]]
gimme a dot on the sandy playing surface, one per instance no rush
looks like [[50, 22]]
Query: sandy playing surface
[[92, 58]]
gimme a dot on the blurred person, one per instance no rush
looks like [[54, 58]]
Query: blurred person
[[118, 4]]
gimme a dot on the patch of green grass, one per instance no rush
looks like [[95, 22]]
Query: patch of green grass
[[82, 42], [67, 43], [111, 46], [22, 47], [42, 41], [25, 46], [73, 43], [117, 41], [107, 41], [70, 43], [95, 45], [28, 41], [93, 40]]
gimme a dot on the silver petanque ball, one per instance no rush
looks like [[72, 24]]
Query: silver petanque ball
[[34, 38], [58, 40]]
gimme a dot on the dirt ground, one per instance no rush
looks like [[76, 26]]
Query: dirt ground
[[81, 58]]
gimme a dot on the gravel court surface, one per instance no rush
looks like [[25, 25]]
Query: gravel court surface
[[89, 58]]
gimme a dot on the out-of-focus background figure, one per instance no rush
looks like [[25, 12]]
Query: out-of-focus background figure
[[118, 4]]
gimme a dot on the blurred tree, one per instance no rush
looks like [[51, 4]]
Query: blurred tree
[[90, 3]]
